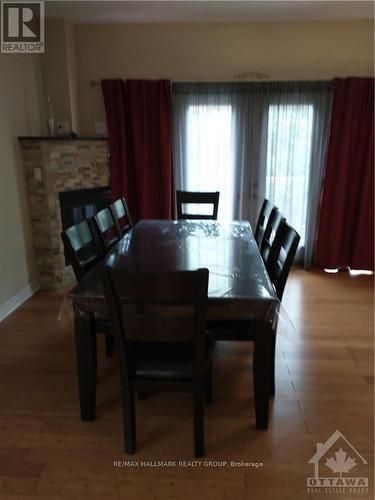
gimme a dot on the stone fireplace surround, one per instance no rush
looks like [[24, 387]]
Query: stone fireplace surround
[[53, 165]]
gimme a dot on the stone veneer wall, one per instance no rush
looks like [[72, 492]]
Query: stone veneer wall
[[65, 164]]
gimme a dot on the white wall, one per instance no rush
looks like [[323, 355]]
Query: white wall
[[21, 105]]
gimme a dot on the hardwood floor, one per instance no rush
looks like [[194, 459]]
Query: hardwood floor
[[324, 383]]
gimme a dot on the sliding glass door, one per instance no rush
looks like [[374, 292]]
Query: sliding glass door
[[253, 140]]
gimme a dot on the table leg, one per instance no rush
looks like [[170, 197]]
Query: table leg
[[85, 338], [262, 362], [272, 367]]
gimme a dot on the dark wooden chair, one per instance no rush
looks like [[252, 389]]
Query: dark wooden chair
[[80, 248], [196, 198], [269, 233], [121, 216], [105, 230], [82, 253], [281, 256], [159, 324], [264, 214], [278, 265]]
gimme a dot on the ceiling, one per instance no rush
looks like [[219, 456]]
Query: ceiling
[[206, 11]]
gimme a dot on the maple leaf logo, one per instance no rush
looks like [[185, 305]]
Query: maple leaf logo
[[340, 463]]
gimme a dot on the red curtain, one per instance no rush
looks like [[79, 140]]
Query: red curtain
[[346, 227], [139, 128]]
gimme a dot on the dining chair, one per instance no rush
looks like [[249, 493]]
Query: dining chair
[[159, 324], [82, 253], [184, 198], [105, 231], [278, 265], [120, 214], [80, 248], [264, 214], [269, 233], [281, 256]]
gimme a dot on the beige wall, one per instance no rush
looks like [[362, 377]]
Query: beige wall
[[285, 50], [55, 70], [72, 76], [20, 104]]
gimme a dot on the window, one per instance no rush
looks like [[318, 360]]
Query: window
[[209, 154], [289, 140]]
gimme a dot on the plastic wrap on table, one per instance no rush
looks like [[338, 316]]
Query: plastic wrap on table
[[65, 323], [239, 286], [285, 329]]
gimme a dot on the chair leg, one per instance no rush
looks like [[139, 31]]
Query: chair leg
[[208, 384], [95, 354], [129, 422], [109, 345], [198, 396], [272, 374]]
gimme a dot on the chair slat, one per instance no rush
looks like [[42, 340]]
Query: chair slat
[[150, 287], [80, 248], [104, 230], [199, 198], [120, 213], [264, 214], [269, 234]]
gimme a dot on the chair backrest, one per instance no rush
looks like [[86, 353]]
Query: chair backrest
[[281, 256], [104, 230], [264, 214], [121, 216], [197, 198], [157, 307], [270, 232], [80, 248]]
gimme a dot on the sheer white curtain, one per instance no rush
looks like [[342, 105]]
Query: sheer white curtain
[[289, 137], [209, 157], [204, 145], [294, 139]]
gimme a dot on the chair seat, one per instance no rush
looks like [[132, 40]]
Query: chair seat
[[233, 329], [166, 361]]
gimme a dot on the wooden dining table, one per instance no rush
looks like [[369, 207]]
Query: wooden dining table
[[239, 288]]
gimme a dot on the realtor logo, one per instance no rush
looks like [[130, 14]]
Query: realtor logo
[[22, 27], [333, 463]]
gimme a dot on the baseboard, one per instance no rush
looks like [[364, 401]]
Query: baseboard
[[17, 300]]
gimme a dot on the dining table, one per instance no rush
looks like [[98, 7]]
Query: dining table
[[239, 288]]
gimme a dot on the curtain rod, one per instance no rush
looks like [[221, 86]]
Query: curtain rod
[[97, 83]]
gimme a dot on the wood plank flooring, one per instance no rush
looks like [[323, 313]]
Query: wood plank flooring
[[325, 382]]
